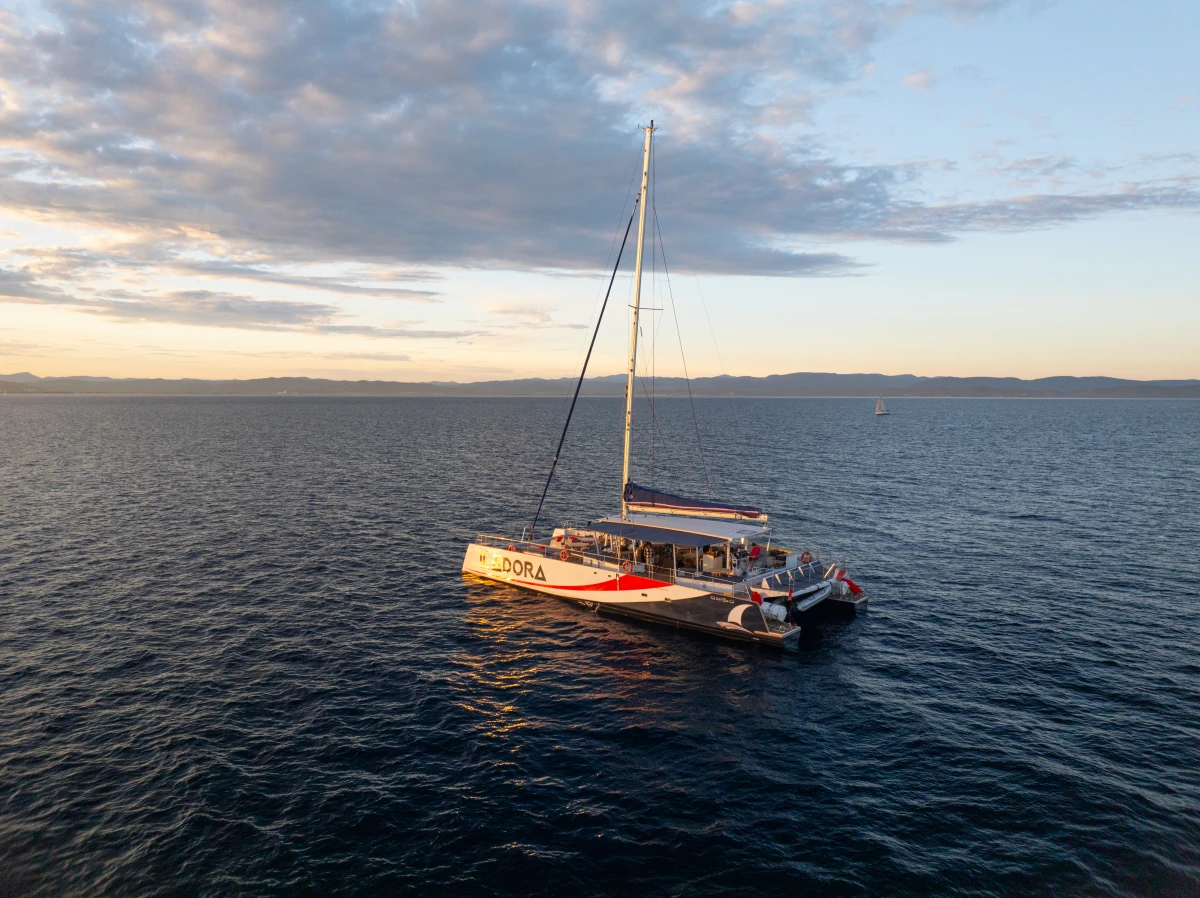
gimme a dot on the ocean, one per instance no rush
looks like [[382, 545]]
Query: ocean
[[238, 657]]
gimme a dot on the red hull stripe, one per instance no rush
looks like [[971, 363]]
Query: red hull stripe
[[629, 581]]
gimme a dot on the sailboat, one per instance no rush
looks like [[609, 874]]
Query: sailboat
[[694, 564], [880, 408]]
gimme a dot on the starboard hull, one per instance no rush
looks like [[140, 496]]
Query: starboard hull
[[605, 588]]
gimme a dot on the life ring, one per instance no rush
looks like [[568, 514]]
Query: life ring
[[564, 555], [626, 567], [806, 557], [511, 547]]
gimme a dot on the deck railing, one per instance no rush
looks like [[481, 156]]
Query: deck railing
[[777, 578]]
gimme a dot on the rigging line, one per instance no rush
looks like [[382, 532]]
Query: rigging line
[[653, 190], [704, 305], [653, 391], [660, 430], [583, 371], [611, 247], [654, 428], [686, 378]]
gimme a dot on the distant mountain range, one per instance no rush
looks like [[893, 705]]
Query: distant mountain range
[[775, 385]]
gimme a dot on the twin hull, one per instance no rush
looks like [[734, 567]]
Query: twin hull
[[601, 587]]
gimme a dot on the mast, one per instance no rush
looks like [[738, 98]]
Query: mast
[[637, 298]]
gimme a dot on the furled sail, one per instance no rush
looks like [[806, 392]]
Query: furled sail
[[649, 500]]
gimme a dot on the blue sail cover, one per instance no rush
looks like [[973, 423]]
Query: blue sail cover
[[640, 496]]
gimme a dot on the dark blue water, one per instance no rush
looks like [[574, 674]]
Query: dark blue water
[[237, 655]]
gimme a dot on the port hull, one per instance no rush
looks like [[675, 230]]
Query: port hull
[[607, 589]]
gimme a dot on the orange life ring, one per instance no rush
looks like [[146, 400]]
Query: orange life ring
[[806, 557], [564, 555], [626, 567], [511, 547]]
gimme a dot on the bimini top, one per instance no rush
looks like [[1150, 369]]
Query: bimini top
[[645, 534], [721, 530], [665, 503]]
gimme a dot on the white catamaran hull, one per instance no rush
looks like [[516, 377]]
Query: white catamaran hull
[[605, 587]]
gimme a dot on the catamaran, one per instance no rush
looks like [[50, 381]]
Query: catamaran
[[688, 563]]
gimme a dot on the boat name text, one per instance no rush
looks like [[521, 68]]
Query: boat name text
[[516, 566]]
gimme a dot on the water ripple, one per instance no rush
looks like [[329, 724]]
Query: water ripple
[[237, 655]]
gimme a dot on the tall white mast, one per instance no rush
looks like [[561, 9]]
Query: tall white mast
[[637, 299]]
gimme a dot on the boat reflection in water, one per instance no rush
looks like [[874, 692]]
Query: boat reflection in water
[[521, 668]]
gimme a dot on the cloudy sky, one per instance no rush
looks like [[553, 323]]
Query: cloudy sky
[[431, 190]]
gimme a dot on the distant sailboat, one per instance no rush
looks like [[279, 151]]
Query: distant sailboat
[[880, 409]]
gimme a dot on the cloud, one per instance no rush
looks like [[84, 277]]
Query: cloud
[[366, 356], [481, 135], [20, 285], [1041, 166], [65, 263], [918, 81], [207, 308], [416, 333], [938, 223], [267, 142], [310, 282], [22, 348], [84, 280], [530, 316], [328, 356], [1025, 173]]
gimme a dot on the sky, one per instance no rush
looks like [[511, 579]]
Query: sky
[[434, 190]]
